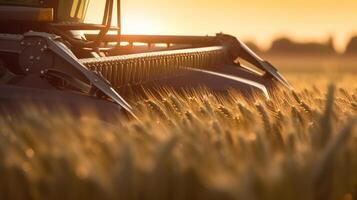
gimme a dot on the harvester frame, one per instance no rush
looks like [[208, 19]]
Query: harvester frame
[[58, 55]]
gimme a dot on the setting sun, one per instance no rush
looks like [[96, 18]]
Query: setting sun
[[139, 25]]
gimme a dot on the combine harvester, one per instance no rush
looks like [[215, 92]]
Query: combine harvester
[[50, 56]]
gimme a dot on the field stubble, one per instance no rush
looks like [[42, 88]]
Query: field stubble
[[300, 145]]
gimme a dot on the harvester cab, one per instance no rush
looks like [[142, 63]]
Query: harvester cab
[[50, 55]]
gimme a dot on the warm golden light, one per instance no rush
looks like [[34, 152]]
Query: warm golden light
[[138, 25], [257, 20]]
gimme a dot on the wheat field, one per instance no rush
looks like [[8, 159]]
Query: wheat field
[[297, 145]]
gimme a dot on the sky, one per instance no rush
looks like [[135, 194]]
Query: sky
[[259, 21]]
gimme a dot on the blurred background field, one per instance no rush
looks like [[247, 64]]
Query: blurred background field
[[304, 71]]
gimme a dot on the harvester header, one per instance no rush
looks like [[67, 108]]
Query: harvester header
[[46, 47]]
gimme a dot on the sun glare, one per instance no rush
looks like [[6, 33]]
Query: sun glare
[[256, 20]]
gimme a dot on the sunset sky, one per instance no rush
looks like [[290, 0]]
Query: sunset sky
[[256, 20]]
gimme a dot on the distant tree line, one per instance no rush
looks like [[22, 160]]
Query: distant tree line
[[352, 46], [288, 46]]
